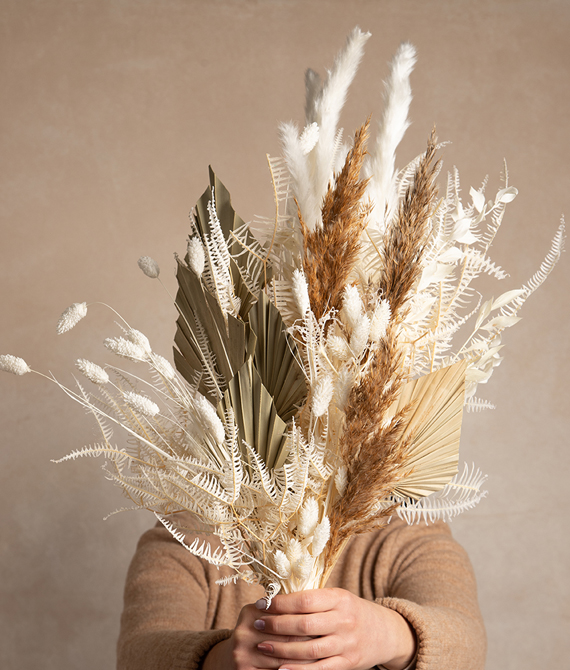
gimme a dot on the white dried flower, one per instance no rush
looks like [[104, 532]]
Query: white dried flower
[[380, 321], [196, 256], [308, 517], [149, 266], [303, 566], [359, 337], [71, 317], [93, 372], [322, 395], [301, 292], [341, 479], [210, 420], [163, 367], [321, 536], [351, 306], [138, 338], [343, 385], [282, 564], [338, 347], [14, 364], [294, 550], [309, 138], [125, 348], [141, 404]]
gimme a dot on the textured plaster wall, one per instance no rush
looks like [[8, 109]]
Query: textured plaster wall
[[111, 112]]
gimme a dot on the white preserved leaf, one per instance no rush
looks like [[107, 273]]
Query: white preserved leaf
[[478, 199], [506, 195]]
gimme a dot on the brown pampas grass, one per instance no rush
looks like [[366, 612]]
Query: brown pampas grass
[[405, 239], [331, 250], [372, 448]]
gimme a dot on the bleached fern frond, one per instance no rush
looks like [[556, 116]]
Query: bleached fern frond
[[230, 579], [463, 492], [478, 405], [95, 451], [204, 550], [546, 267]]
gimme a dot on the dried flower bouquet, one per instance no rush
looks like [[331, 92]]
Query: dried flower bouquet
[[319, 386]]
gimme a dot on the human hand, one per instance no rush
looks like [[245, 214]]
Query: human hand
[[241, 652], [341, 632]]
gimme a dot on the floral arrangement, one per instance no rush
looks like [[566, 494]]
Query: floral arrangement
[[319, 384]]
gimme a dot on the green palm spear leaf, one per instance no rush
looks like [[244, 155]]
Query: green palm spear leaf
[[247, 363]]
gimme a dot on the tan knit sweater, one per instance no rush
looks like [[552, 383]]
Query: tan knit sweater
[[175, 613]]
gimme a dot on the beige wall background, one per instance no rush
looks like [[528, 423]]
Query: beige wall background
[[111, 112]]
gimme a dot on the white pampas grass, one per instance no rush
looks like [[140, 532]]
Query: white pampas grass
[[149, 266], [125, 348], [392, 127], [14, 365], [311, 172], [303, 566], [141, 404], [71, 317], [196, 256], [92, 371]]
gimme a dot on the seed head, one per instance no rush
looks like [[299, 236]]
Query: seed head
[[13, 364], [92, 371], [71, 317], [149, 266], [141, 404]]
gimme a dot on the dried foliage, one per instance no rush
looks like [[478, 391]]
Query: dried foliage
[[320, 383]]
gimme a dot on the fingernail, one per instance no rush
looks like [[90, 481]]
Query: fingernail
[[259, 624], [261, 604], [266, 648]]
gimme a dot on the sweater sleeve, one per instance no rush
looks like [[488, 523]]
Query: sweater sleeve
[[431, 584], [166, 608]]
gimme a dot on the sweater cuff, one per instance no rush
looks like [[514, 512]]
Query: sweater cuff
[[192, 653], [428, 648]]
